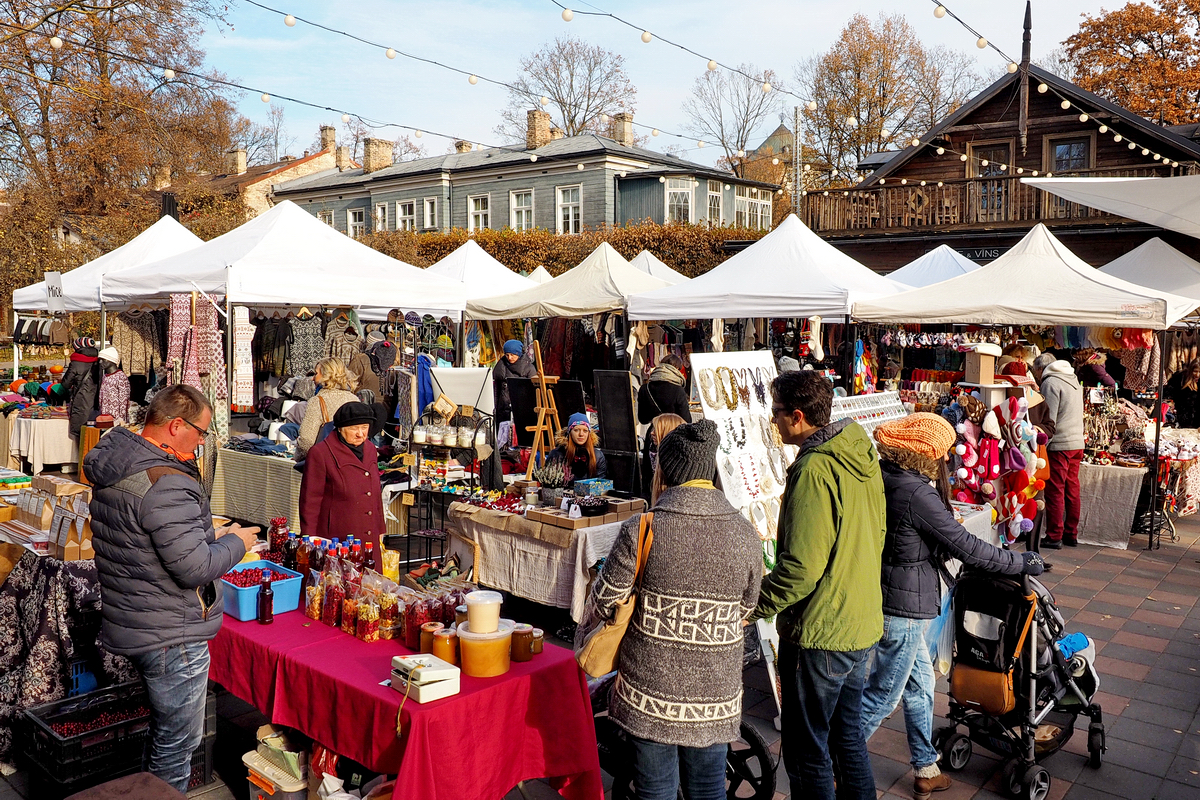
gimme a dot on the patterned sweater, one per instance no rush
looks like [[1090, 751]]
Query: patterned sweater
[[680, 666]]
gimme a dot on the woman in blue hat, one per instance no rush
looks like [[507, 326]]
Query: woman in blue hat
[[513, 364], [578, 452]]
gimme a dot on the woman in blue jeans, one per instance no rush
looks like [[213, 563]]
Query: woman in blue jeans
[[921, 532]]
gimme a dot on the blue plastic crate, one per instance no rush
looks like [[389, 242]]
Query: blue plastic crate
[[82, 680], [242, 604]]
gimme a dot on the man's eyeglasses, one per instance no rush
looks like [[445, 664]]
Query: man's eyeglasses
[[777, 410], [197, 428]]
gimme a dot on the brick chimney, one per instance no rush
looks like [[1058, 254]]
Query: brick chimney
[[622, 128], [235, 162], [341, 157], [462, 146], [328, 138], [537, 130], [556, 133], [377, 154]]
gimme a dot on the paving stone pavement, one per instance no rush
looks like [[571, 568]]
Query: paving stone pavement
[[1141, 609]]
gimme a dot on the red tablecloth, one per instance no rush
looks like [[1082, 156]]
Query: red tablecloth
[[533, 722]]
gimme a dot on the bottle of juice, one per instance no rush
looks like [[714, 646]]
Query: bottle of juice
[[356, 556], [316, 557], [290, 546], [369, 561], [266, 601]]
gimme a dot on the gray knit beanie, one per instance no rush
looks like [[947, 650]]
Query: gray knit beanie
[[689, 453]]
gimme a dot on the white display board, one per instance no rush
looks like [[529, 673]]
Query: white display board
[[735, 393]]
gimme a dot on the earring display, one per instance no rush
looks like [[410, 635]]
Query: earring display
[[869, 410]]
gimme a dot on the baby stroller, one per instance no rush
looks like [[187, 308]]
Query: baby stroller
[[1016, 684]]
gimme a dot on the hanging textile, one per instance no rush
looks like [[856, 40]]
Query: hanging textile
[[243, 357], [405, 385], [180, 324], [114, 396], [1141, 365], [135, 336], [425, 394], [342, 341], [307, 346]]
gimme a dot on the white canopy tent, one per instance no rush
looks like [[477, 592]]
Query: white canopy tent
[[540, 275], [81, 286], [482, 275], [649, 263], [287, 257], [1171, 203], [602, 282], [1159, 266], [790, 272], [1038, 282], [940, 264]]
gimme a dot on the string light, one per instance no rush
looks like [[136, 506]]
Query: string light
[[1083, 117], [915, 142], [1104, 129], [1065, 104], [390, 52], [941, 151], [266, 98], [1012, 67], [939, 12], [1042, 88], [654, 132], [766, 87], [169, 74], [568, 15], [579, 167], [346, 118], [775, 161], [700, 143], [1117, 138], [472, 79], [545, 100], [418, 134], [533, 158], [981, 43], [851, 121], [962, 157], [712, 65], [885, 133], [56, 42], [646, 37], [811, 105], [742, 154], [290, 21]]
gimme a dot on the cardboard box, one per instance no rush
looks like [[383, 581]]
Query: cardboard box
[[285, 749], [609, 518], [623, 515], [7, 511], [56, 486], [981, 364]]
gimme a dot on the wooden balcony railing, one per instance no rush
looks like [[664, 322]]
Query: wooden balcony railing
[[971, 202]]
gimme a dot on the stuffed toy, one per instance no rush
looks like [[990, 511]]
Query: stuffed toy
[[989, 468]]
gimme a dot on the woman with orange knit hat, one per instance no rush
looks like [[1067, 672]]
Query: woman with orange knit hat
[[921, 534]]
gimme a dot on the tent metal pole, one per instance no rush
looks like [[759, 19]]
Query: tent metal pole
[[228, 337], [1154, 538], [848, 361], [103, 324], [16, 347]]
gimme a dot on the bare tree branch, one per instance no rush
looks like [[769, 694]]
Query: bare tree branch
[[727, 107]]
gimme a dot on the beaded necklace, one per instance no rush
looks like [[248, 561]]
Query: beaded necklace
[[740, 441], [764, 433], [706, 387], [760, 386], [743, 388], [771, 455], [730, 393]]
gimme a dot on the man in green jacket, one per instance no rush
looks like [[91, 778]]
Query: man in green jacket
[[825, 589]]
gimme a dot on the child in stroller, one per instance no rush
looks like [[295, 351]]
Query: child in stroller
[[1017, 683]]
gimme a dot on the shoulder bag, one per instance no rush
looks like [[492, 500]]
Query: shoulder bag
[[598, 653]]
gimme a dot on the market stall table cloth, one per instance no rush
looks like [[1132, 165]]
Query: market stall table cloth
[[535, 721], [1107, 503], [256, 488], [43, 441]]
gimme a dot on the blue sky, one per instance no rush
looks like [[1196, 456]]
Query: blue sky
[[257, 49]]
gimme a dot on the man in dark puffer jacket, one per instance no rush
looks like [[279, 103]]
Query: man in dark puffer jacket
[[921, 530], [160, 564]]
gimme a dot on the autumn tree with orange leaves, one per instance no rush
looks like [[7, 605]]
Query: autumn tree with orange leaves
[[1144, 56]]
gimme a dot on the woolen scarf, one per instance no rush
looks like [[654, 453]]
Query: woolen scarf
[[665, 372]]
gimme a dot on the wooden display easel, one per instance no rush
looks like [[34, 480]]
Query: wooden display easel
[[547, 413]]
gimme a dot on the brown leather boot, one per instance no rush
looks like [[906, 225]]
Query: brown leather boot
[[923, 787]]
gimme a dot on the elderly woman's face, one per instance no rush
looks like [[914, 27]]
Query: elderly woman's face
[[580, 435], [355, 434]]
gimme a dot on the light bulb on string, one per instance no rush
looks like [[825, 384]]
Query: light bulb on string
[[844, 194], [941, 151], [346, 118], [1020, 170], [1083, 117], [904, 181], [646, 37], [811, 105], [290, 21], [579, 167], [939, 183], [568, 15], [826, 193], [473, 79], [852, 122], [545, 100], [533, 157], [808, 167], [939, 12], [661, 179], [622, 173], [727, 187], [1145, 151], [882, 181], [390, 52], [766, 87], [1034, 173], [1004, 167], [833, 173], [1049, 174], [1157, 157], [712, 65], [915, 142], [1012, 67], [1065, 104], [700, 143], [1132, 146], [169, 74], [266, 98], [56, 42], [963, 157], [983, 162], [741, 153], [922, 183], [654, 132], [1117, 137], [604, 117], [775, 161], [1042, 88], [1104, 129], [885, 133], [418, 134], [981, 43]]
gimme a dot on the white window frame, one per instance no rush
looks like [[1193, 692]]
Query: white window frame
[[355, 229], [741, 206], [680, 186], [720, 196], [380, 218], [406, 221], [479, 218], [526, 212], [559, 207], [326, 217], [429, 213], [752, 207]]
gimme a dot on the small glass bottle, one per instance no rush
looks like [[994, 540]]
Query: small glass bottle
[[266, 601], [539, 638], [427, 632], [356, 556], [369, 561], [522, 642], [290, 546]]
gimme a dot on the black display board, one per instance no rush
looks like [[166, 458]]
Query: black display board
[[522, 394], [618, 434]]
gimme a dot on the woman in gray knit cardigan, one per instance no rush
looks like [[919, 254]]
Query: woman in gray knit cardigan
[[678, 692]]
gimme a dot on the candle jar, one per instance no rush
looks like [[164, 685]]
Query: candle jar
[[539, 637], [522, 642], [435, 435], [445, 646], [465, 437], [481, 437], [427, 632], [419, 434]]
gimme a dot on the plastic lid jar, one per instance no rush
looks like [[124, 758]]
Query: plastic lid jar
[[485, 655], [483, 611]]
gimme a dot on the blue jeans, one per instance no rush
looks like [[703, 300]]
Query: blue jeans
[[658, 770], [177, 682], [822, 723], [902, 670]]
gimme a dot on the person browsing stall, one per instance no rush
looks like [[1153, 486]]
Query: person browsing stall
[[335, 388], [160, 563], [512, 364], [663, 393], [339, 493], [1184, 391], [659, 428], [577, 450], [921, 533], [1064, 406]]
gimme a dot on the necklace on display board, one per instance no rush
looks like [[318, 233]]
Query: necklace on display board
[[706, 388], [750, 477], [740, 441], [760, 386], [728, 391], [743, 388]]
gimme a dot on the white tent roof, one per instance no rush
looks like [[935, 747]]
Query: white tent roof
[[790, 272], [81, 286], [483, 275], [649, 263], [1038, 282], [287, 257], [940, 264], [1159, 266], [1171, 203], [540, 275], [602, 282]]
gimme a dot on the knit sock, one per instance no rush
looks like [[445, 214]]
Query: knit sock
[[931, 771]]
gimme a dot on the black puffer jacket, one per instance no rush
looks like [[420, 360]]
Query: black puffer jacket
[[82, 383], [662, 397], [523, 367], [158, 558], [920, 529]]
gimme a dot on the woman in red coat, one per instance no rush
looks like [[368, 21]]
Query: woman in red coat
[[339, 494]]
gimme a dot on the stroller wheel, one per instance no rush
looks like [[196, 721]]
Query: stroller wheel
[[1096, 746], [956, 752], [1035, 783]]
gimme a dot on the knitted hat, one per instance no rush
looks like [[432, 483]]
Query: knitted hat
[[577, 419], [514, 347], [689, 453], [374, 336], [84, 341], [111, 354], [923, 433], [788, 364], [1015, 368], [353, 414]]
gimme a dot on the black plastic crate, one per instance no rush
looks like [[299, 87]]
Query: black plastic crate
[[202, 763], [56, 783], [71, 756]]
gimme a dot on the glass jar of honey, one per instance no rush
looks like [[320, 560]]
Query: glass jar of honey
[[445, 646], [427, 632], [522, 642], [539, 638]]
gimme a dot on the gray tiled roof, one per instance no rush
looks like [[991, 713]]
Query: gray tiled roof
[[565, 149]]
